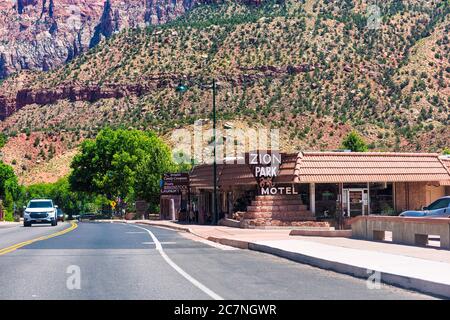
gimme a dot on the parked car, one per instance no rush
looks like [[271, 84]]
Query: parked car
[[60, 215], [87, 216], [40, 211], [438, 209]]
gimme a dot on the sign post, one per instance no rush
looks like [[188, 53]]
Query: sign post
[[174, 183], [173, 186]]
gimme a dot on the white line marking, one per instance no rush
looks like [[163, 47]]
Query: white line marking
[[160, 242], [205, 289]]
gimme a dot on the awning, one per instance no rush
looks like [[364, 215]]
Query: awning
[[202, 176], [236, 174], [227, 175]]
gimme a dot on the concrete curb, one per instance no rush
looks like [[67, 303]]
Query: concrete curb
[[230, 242], [322, 233], [4, 225], [186, 229], [424, 286]]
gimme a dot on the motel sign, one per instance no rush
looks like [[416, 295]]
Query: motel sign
[[266, 167]]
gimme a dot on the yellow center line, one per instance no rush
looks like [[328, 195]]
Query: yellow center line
[[14, 247]]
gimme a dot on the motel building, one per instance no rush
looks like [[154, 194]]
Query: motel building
[[316, 188]]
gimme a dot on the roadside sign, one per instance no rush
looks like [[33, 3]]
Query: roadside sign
[[113, 204], [174, 183]]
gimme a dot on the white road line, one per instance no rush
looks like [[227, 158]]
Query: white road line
[[196, 283], [160, 242]]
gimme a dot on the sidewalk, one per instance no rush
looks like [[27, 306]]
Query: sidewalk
[[6, 224], [423, 269]]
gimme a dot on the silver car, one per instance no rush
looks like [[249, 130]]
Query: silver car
[[439, 209]]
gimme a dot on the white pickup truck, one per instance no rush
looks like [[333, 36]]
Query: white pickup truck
[[40, 211]]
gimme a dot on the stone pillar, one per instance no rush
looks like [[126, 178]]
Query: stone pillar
[[445, 237], [359, 228], [172, 210], [312, 197]]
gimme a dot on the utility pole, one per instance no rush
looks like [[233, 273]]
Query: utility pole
[[181, 88], [215, 202]]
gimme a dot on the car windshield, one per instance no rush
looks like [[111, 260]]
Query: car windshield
[[439, 204], [40, 204]]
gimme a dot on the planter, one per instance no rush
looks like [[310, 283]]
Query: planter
[[130, 216]]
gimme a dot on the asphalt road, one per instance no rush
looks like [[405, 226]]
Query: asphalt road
[[118, 261], [12, 235]]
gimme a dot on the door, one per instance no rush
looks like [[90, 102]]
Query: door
[[355, 202]]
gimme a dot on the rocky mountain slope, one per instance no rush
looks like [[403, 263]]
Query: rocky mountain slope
[[43, 34], [314, 68]]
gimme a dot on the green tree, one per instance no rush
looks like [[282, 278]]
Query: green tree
[[7, 178], [69, 201], [150, 170], [3, 139], [10, 191], [119, 163], [446, 151], [354, 142], [8, 206]]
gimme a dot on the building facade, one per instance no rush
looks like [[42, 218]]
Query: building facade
[[311, 187]]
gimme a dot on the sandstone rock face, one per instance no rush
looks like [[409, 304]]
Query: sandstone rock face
[[43, 34], [9, 105], [20, 95]]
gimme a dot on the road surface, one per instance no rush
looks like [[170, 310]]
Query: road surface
[[119, 261]]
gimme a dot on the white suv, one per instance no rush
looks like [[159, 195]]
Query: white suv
[[40, 211]]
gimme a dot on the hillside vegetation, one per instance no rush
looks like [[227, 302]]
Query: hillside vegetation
[[312, 68]]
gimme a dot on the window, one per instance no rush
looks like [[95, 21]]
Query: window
[[439, 204], [40, 204], [326, 199], [381, 198]]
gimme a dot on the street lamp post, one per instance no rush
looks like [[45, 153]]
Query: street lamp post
[[215, 202], [182, 88]]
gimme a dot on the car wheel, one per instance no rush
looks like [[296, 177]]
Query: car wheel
[[27, 224], [53, 223]]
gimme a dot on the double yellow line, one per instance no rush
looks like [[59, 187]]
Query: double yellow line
[[12, 248]]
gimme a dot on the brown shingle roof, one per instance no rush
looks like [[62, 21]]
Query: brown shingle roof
[[202, 176], [236, 174], [446, 161], [227, 175], [335, 167], [286, 173]]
